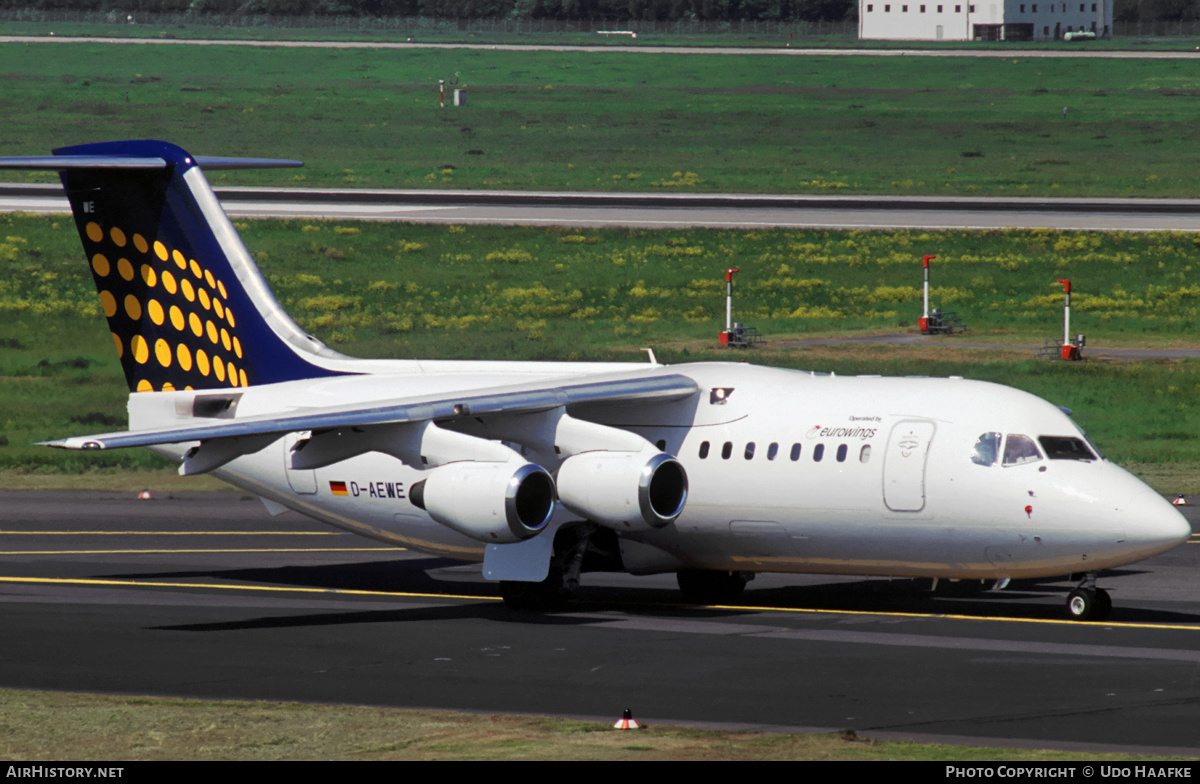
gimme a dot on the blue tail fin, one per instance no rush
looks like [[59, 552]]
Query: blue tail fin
[[186, 305]]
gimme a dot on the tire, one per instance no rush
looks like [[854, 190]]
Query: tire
[[710, 587], [1082, 604]]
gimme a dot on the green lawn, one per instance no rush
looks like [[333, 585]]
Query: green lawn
[[429, 291], [628, 122]]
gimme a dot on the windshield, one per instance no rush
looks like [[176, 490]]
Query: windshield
[[1019, 449], [1065, 448]]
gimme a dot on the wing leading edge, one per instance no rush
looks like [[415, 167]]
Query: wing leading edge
[[515, 399]]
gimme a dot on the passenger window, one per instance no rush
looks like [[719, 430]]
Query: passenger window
[[864, 454], [987, 449], [795, 452], [772, 451], [843, 450], [661, 444], [703, 449], [749, 450], [818, 452], [1019, 449], [726, 450], [1065, 448]]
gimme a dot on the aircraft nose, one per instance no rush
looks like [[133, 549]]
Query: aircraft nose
[[1156, 524]]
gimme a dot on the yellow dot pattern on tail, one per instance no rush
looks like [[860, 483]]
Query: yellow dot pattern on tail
[[170, 317]]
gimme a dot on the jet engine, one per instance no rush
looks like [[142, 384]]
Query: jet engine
[[624, 490], [495, 503]]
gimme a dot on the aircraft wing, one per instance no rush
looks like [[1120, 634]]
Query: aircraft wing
[[629, 387]]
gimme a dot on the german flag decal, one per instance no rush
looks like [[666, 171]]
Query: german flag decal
[[338, 488]]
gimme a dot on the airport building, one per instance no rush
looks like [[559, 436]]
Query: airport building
[[982, 20]]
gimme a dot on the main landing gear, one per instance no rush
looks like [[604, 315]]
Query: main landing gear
[[586, 547], [1087, 602]]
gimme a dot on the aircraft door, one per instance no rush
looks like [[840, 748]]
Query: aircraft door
[[904, 465], [301, 480]]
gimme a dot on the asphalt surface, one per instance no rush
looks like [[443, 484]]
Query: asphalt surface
[[626, 45], [205, 595], [715, 210]]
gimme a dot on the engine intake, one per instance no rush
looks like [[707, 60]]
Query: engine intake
[[624, 490], [489, 502]]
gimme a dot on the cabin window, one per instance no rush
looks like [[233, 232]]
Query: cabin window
[[703, 449], [726, 450], [864, 454], [818, 452], [987, 449], [772, 451], [749, 454], [795, 452], [1065, 448], [842, 451], [1019, 449], [661, 444]]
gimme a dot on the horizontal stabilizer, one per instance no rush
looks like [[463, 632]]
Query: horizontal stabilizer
[[116, 162]]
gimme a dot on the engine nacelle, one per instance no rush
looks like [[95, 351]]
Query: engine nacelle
[[628, 491], [496, 503]]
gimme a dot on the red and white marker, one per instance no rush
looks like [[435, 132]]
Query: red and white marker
[[1069, 349], [627, 722], [1180, 500], [923, 322], [145, 495]]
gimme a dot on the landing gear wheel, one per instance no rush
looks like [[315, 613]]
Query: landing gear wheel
[[711, 587], [1089, 604], [1103, 605], [549, 594]]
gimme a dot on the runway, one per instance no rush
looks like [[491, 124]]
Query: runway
[[206, 595], [672, 210]]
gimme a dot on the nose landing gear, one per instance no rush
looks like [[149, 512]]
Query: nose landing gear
[[1087, 602]]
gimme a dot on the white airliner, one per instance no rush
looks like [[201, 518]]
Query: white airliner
[[544, 470]]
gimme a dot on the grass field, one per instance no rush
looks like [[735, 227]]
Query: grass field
[[87, 727], [628, 122], [401, 290]]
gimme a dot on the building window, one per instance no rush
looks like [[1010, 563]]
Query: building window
[[971, 8], [887, 9], [958, 9], [922, 9], [1035, 8], [870, 8], [939, 9], [904, 9], [1022, 8]]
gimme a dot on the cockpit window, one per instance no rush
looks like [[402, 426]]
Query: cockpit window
[[1019, 449], [987, 449], [1065, 448]]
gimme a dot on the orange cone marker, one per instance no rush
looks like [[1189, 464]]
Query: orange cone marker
[[627, 722]]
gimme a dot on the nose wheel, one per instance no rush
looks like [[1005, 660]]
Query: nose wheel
[[1087, 602]]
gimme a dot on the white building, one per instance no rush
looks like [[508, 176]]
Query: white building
[[1004, 20]]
